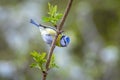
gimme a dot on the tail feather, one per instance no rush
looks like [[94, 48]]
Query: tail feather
[[33, 22]]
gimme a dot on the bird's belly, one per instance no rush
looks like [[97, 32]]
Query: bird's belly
[[47, 38]]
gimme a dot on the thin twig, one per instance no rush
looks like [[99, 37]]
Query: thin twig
[[44, 74], [65, 15], [51, 52], [59, 28]]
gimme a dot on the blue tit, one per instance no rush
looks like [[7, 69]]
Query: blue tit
[[48, 34]]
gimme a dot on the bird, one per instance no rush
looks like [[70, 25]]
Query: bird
[[48, 34]]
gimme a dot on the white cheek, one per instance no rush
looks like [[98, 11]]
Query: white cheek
[[62, 42]]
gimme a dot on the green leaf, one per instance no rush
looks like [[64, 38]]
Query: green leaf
[[53, 15], [40, 60], [55, 8], [46, 19], [49, 6], [34, 54], [52, 62], [59, 15], [43, 55], [33, 65]]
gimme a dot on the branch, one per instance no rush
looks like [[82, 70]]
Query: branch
[[59, 27], [65, 15]]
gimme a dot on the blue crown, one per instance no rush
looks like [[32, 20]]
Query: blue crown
[[67, 39]]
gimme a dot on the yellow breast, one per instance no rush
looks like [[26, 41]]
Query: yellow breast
[[52, 32], [58, 40]]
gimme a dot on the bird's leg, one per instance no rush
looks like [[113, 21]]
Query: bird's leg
[[59, 32]]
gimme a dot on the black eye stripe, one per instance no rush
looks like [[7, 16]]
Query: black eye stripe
[[64, 41]]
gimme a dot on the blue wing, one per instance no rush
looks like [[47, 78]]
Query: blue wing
[[47, 38]]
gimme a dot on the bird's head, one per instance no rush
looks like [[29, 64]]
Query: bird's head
[[65, 40]]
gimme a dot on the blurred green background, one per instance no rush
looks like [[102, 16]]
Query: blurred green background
[[94, 51]]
